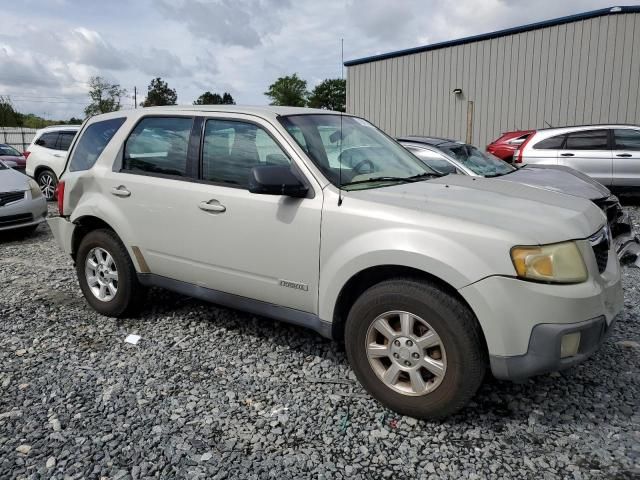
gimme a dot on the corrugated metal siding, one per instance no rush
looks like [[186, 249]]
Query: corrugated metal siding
[[576, 73]]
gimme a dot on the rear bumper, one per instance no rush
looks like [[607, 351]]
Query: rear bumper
[[543, 354], [25, 213], [62, 230]]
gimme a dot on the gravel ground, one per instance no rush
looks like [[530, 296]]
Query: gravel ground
[[210, 392]]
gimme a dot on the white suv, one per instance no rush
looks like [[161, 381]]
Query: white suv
[[608, 153], [47, 155], [320, 219]]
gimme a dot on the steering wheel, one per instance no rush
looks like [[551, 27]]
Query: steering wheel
[[356, 156]]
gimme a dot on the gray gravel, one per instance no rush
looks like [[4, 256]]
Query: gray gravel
[[210, 392]]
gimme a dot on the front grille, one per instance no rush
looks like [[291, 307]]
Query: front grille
[[9, 220], [600, 243], [8, 197]]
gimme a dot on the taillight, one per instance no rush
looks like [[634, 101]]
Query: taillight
[[517, 156], [26, 153], [60, 195]]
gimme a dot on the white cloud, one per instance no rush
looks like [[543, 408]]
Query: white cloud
[[240, 46]]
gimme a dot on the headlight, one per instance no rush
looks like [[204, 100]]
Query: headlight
[[35, 189], [559, 263]]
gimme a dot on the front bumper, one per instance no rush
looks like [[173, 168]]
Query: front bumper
[[523, 322], [23, 213], [543, 354]]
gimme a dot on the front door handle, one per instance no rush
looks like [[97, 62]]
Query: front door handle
[[58, 155], [625, 155], [213, 206], [566, 154], [120, 191]]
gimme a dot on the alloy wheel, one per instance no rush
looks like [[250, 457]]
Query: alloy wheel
[[101, 274]]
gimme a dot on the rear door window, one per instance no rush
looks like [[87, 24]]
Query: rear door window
[[551, 143], [158, 145], [587, 140], [627, 139], [93, 141], [48, 140], [64, 140]]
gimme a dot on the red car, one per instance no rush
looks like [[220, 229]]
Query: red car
[[12, 156], [506, 145]]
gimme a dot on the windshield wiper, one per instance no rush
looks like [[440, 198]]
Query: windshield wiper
[[411, 179], [493, 175]]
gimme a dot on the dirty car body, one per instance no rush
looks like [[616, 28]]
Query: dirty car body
[[319, 219]]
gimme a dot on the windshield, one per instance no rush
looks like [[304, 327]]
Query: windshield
[[479, 162], [352, 153], [7, 151]]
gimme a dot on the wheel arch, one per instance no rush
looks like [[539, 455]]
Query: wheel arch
[[84, 225], [367, 278]]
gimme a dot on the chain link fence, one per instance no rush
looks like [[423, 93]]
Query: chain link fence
[[18, 137]]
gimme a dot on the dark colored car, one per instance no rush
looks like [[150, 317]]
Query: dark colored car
[[447, 156], [12, 156], [505, 146]]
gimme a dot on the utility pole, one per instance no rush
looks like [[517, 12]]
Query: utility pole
[[135, 97]]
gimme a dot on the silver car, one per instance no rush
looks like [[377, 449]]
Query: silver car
[[22, 205], [608, 153]]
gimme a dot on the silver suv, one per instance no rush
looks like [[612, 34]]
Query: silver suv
[[608, 153], [320, 219]]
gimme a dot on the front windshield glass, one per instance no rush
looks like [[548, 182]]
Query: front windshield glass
[[366, 156], [7, 151], [476, 160]]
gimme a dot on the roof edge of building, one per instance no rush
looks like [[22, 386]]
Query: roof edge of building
[[614, 10]]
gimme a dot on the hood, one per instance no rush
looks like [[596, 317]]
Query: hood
[[528, 215], [12, 180], [559, 179]]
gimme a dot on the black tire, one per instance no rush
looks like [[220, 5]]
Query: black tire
[[457, 328], [130, 293], [44, 178]]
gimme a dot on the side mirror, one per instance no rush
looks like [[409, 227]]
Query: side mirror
[[276, 180]]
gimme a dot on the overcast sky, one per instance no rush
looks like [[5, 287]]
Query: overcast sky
[[50, 48]]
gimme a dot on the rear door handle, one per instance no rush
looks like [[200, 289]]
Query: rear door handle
[[58, 155], [566, 154], [120, 191], [213, 206], [625, 155]]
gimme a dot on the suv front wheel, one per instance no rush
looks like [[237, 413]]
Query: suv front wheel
[[47, 181], [416, 348], [106, 274]]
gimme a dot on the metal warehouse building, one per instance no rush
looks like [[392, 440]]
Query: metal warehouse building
[[579, 69]]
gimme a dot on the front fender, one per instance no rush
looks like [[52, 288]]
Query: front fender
[[445, 258]]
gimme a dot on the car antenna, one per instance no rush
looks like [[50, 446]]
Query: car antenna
[[548, 124], [340, 147]]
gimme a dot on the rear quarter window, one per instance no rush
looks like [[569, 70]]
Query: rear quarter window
[[93, 141], [551, 143]]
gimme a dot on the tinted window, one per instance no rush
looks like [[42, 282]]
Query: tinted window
[[158, 145], [231, 149], [552, 143], [627, 139], [64, 140], [48, 140], [587, 140], [93, 141]]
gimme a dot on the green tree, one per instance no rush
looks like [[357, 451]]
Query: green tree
[[105, 97], [208, 98], [75, 121], [330, 94], [8, 116], [288, 91], [159, 93]]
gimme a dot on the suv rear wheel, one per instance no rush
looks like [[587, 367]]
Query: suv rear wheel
[[415, 348], [47, 181], [106, 274]]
